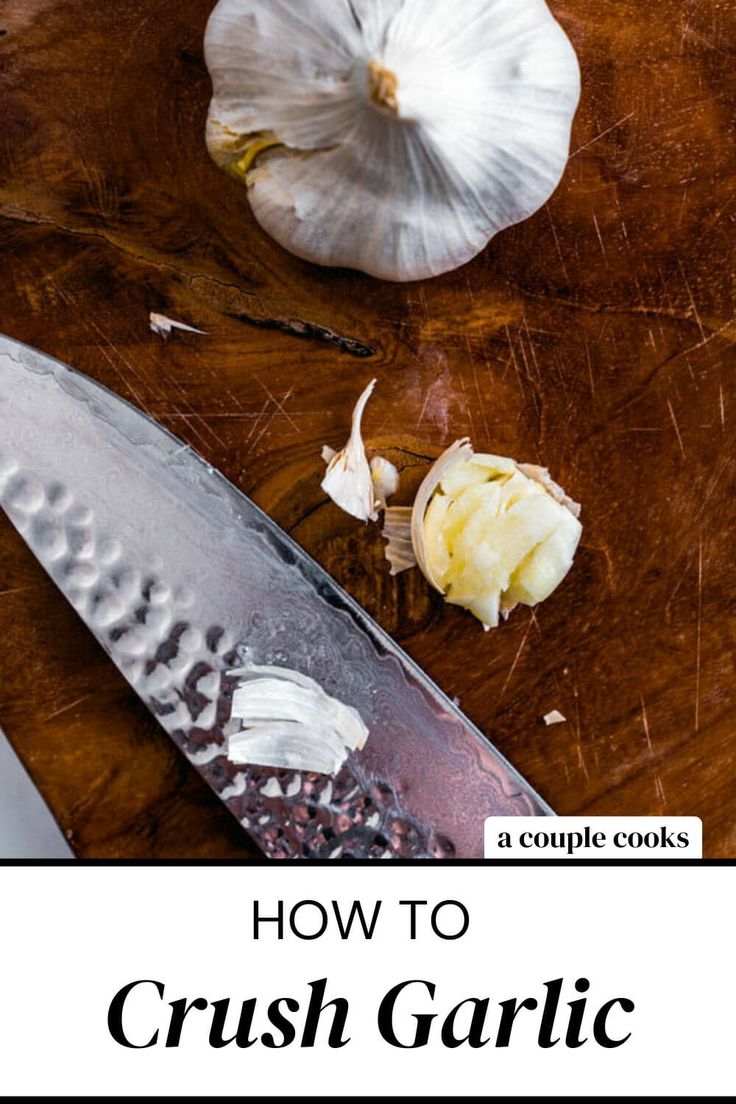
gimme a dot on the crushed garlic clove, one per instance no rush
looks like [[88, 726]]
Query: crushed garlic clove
[[288, 722], [487, 533]]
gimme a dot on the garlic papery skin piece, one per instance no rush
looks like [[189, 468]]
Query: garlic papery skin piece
[[397, 531], [392, 136], [348, 480], [402, 527], [385, 480], [554, 718], [289, 722], [459, 453], [164, 327], [489, 536]]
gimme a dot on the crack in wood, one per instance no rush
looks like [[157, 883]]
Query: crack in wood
[[294, 327], [298, 327]]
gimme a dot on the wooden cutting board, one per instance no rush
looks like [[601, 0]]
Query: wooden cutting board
[[596, 339]]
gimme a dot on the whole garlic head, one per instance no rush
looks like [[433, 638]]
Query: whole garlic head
[[393, 136]]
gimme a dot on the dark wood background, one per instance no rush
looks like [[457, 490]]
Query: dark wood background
[[597, 339]]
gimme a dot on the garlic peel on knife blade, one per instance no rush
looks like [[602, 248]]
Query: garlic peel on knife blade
[[396, 137], [487, 533], [289, 722]]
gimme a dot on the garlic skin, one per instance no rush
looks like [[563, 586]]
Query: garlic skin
[[393, 136], [554, 718], [289, 722], [385, 480], [348, 480], [357, 487], [164, 327], [397, 532], [487, 533]]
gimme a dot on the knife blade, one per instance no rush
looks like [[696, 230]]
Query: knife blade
[[182, 578], [27, 828]]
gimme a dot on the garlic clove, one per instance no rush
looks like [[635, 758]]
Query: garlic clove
[[289, 722], [395, 137], [490, 534], [348, 480]]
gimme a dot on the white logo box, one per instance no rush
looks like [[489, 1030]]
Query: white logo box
[[606, 837]]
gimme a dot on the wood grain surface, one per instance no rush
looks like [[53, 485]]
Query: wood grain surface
[[597, 339]]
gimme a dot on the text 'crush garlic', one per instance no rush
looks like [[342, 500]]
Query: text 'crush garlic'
[[289, 722], [393, 136], [487, 533]]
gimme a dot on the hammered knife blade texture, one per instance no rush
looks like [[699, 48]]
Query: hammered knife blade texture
[[181, 578]]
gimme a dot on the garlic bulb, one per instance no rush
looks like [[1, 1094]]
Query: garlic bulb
[[393, 136], [289, 722], [487, 533]]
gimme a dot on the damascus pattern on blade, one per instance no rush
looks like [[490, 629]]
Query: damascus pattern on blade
[[182, 578]]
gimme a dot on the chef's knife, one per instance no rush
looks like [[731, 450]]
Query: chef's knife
[[27, 828], [181, 578]]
